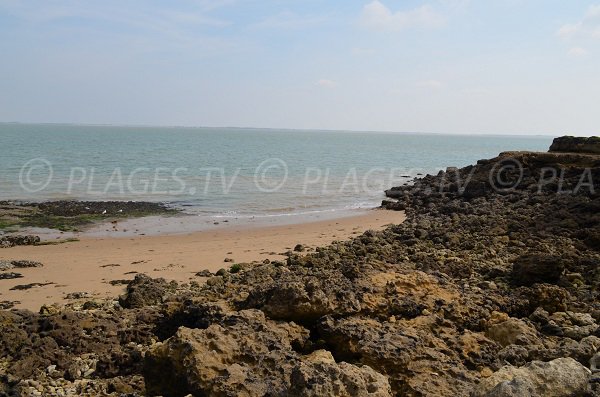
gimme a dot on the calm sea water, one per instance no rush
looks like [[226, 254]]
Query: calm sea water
[[229, 172]]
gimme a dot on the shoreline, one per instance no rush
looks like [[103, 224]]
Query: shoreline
[[91, 263], [186, 223]]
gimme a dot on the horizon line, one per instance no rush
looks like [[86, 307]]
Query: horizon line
[[84, 124]]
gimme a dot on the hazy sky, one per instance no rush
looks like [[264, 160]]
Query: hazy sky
[[457, 66]]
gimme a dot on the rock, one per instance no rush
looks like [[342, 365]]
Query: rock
[[20, 264], [250, 356], [574, 325], [393, 204], [77, 295], [145, 291], [221, 272], [22, 287], [557, 378], [299, 248], [537, 268], [5, 305], [305, 298], [204, 273], [571, 144], [421, 234], [595, 363], [319, 375], [511, 331], [16, 240], [10, 275], [408, 353], [549, 297]]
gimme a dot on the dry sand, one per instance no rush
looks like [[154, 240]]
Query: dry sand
[[89, 264]]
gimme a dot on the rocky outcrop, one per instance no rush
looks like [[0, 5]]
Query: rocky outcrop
[[15, 240], [571, 144], [60, 353], [70, 215], [18, 264], [245, 354]]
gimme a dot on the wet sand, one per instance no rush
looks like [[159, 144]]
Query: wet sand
[[88, 265]]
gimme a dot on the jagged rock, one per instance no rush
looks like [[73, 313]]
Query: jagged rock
[[562, 377], [417, 361], [145, 291], [305, 298], [246, 356], [15, 240], [547, 296], [510, 331], [574, 325], [18, 264], [319, 375], [537, 268]]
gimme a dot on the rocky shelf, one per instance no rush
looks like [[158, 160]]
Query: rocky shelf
[[70, 215]]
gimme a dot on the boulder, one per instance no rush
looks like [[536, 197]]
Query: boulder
[[319, 375], [562, 377], [529, 269], [305, 298], [510, 331], [246, 355], [145, 291]]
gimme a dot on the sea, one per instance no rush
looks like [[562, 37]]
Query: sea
[[231, 173]]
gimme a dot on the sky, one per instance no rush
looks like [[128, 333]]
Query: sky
[[442, 66]]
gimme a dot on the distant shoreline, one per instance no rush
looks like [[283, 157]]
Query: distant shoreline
[[282, 129]]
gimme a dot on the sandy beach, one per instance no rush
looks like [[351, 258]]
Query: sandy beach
[[88, 265]]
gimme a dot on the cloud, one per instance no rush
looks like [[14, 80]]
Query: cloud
[[577, 52], [377, 16], [588, 26], [327, 83]]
